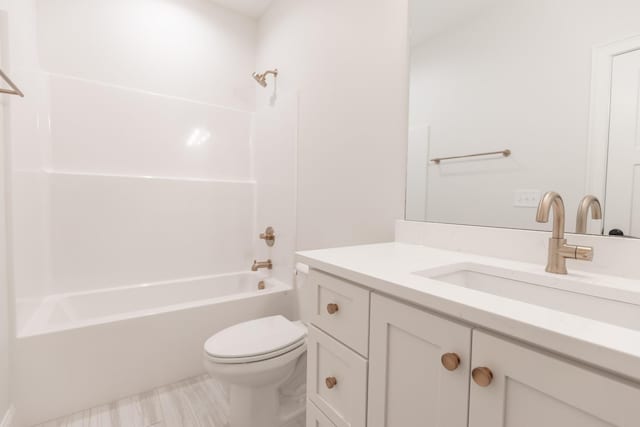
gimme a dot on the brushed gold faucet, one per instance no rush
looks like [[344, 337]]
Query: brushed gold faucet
[[588, 202], [559, 250], [261, 264]]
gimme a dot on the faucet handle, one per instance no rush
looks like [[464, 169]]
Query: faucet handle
[[584, 253], [269, 236]]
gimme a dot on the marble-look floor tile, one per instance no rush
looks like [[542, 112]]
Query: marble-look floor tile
[[196, 402], [175, 407]]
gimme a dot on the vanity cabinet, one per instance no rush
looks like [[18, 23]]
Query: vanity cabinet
[[418, 367], [414, 368], [315, 418], [530, 388]]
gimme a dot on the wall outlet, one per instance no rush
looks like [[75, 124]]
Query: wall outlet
[[526, 198]]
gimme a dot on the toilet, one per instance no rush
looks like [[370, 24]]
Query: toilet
[[255, 359]]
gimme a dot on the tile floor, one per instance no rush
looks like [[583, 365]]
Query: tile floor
[[196, 402]]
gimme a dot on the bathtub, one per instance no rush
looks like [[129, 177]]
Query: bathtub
[[84, 349]]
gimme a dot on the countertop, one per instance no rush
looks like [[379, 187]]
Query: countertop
[[389, 268]]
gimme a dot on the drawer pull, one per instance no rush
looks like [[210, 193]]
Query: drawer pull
[[331, 382], [482, 376], [450, 361], [332, 308]]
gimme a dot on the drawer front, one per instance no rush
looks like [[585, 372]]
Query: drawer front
[[336, 380], [315, 418], [341, 309]]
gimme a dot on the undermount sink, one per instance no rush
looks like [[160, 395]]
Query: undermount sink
[[602, 303]]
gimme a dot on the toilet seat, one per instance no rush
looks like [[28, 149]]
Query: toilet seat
[[255, 340]]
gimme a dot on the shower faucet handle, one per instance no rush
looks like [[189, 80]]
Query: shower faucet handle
[[269, 236]]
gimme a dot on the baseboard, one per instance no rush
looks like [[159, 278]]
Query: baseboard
[[7, 420]]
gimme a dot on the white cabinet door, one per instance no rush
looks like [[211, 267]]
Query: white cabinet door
[[408, 384], [533, 389]]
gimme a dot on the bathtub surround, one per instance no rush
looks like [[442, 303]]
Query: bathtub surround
[[191, 49], [106, 123], [96, 244]]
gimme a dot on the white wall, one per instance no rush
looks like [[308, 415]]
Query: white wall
[[5, 322], [348, 62], [517, 77]]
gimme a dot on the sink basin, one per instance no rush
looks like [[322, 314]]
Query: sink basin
[[597, 302]]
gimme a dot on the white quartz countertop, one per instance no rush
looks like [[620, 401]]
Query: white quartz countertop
[[389, 268]]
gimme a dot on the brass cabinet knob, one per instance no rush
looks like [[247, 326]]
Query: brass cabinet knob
[[331, 382], [482, 376], [332, 308], [450, 361]]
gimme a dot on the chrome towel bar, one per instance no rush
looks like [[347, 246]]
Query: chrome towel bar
[[14, 89], [505, 153]]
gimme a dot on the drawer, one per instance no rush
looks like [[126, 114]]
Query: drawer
[[315, 418], [336, 380], [341, 309]]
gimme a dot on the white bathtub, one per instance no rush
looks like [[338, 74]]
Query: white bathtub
[[80, 309], [84, 349]]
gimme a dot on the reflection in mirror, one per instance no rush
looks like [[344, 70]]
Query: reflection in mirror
[[554, 82]]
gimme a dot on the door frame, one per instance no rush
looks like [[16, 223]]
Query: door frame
[[600, 112]]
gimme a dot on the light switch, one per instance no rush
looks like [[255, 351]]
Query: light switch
[[526, 198]]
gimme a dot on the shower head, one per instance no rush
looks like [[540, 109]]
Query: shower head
[[261, 78]]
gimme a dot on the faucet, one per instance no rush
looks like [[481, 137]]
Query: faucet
[[587, 202], [559, 250], [261, 264]]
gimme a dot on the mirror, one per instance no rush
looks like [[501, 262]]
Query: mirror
[[520, 97]]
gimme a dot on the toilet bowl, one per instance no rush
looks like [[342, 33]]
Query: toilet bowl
[[254, 359]]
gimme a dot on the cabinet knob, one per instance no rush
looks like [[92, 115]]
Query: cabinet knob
[[331, 382], [482, 376], [332, 308], [450, 361]]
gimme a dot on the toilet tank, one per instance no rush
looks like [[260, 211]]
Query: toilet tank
[[303, 292]]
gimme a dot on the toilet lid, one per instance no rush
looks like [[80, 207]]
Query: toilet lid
[[255, 338]]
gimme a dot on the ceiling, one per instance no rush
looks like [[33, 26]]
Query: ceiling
[[429, 17], [252, 8]]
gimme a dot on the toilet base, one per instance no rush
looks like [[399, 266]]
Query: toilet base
[[251, 407]]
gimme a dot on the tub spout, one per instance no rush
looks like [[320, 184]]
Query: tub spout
[[261, 264]]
